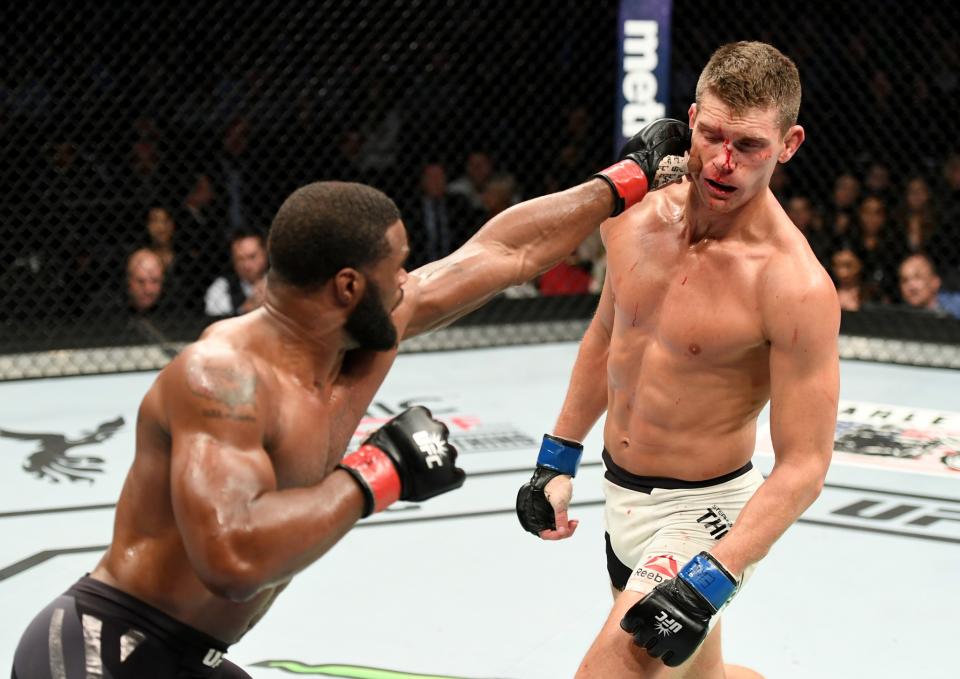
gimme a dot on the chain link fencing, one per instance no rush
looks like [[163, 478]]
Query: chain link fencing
[[144, 148]]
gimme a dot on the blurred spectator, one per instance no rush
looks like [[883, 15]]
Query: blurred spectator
[[438, 222], [847, 272], [920, 284], [144, 281], [381, 129], [498, 195], [471, 185], [144, 294], [201, 233], [841, 214], [200, 204], [241, 290], [876, 182], [917, 219], [160, 230], [802, 213], [186, 264], [878, 247]]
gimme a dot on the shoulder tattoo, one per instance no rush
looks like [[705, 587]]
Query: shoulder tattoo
[[230, 386]]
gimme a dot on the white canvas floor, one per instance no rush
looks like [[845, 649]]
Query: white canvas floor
[[863, 586]]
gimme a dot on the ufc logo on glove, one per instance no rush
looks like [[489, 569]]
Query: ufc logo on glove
[[432, 446], [667, 625]]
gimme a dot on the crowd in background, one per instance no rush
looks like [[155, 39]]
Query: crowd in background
[[195, 242], [141, 174]]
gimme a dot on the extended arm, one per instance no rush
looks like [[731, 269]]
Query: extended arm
[[802, 325], [513, 247], [529, 238]]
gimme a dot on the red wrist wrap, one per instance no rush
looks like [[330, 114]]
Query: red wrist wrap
[[379, 472], [629, 180]]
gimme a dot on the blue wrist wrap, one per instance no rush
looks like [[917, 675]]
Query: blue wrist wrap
[[560, 455], [710, 579]]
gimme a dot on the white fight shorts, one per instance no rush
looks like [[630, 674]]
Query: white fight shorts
[[654, 525]]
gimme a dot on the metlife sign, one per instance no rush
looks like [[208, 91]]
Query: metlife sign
[[644, 40]]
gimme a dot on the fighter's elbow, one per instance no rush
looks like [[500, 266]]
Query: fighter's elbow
[[230, 576], [523, 264], [810, 483], [813, 489], [236, 587]]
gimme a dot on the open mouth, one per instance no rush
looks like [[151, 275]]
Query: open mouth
[[721, 188]]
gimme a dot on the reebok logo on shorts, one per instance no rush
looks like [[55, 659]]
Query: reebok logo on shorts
[[715, 521], [658, 568]]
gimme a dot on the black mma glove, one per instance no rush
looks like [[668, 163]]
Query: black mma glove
[[673, 620], [557, 456], [408, 458], [653, 158]]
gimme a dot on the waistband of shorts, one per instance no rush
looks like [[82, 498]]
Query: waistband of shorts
[[618, 475], [118, 603]]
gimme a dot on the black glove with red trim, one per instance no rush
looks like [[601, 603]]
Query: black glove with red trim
[[408, 458]]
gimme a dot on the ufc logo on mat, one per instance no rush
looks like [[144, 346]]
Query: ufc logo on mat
[[432, 447], [666, 625], [213, 658]]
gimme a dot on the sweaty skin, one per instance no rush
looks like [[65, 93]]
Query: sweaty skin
[[712, 306], [232, 489], [688, 368]]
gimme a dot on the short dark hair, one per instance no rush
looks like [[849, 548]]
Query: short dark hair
[[324, 227], [246, 232]]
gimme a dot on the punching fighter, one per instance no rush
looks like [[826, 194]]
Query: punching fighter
[[239, 479]]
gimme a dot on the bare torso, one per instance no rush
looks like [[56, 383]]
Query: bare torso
[[688, 366], [147, 557], [306, 427]]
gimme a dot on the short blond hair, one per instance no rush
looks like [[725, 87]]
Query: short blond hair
[[745, 75]]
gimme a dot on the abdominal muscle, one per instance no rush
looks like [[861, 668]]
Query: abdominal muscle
[[679, 416]]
